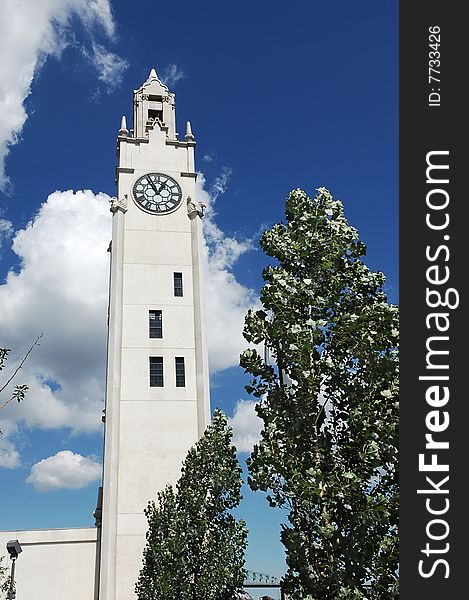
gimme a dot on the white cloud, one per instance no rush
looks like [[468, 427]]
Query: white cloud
[[6, 231], [246, 426], [94, 13], [61, 290], [32, 30], [109, 66], [9, 456], [227, 300], [172, 74], [220, 183], [65, 470]]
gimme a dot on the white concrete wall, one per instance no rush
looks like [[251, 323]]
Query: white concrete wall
[[55, 564]]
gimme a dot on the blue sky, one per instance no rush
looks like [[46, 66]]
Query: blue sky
[[280, 96]]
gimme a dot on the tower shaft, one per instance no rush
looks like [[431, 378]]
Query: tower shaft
[[157, 394]]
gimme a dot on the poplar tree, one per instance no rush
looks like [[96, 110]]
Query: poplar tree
[[195, 546], [328, 398]]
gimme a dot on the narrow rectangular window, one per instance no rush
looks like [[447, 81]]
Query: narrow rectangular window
[[155, 321], [156, 371], [180, 372], [178, 284]]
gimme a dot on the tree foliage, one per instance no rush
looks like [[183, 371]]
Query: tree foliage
[[195, 546], [6, 584], [329, 403]]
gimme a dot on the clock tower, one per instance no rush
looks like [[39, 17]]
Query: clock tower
[[157, 394]]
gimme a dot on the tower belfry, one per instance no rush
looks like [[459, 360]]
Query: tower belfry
[[154, 104], [157, 391]]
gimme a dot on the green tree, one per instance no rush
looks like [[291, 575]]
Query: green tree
[[195, 546], [329, 402], [6, 583]]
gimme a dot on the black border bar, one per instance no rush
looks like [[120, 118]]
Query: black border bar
[[434, 166]]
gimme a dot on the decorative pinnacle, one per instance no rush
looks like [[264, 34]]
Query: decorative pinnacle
[[152, 75], [189, 137], [123, 129]]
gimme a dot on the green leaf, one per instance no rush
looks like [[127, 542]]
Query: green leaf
[[330, 328], [195, 547]]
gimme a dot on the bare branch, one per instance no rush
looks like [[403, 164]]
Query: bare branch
[[25, 357]]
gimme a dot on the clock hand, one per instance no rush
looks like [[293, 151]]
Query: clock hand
[[153, 186]]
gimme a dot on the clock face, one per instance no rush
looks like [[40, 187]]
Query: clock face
[[157, 193]]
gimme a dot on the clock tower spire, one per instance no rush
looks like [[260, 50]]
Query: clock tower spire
[[157, 391], [154, 106]]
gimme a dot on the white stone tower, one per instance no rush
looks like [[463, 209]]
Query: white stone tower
[[157, 402]]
